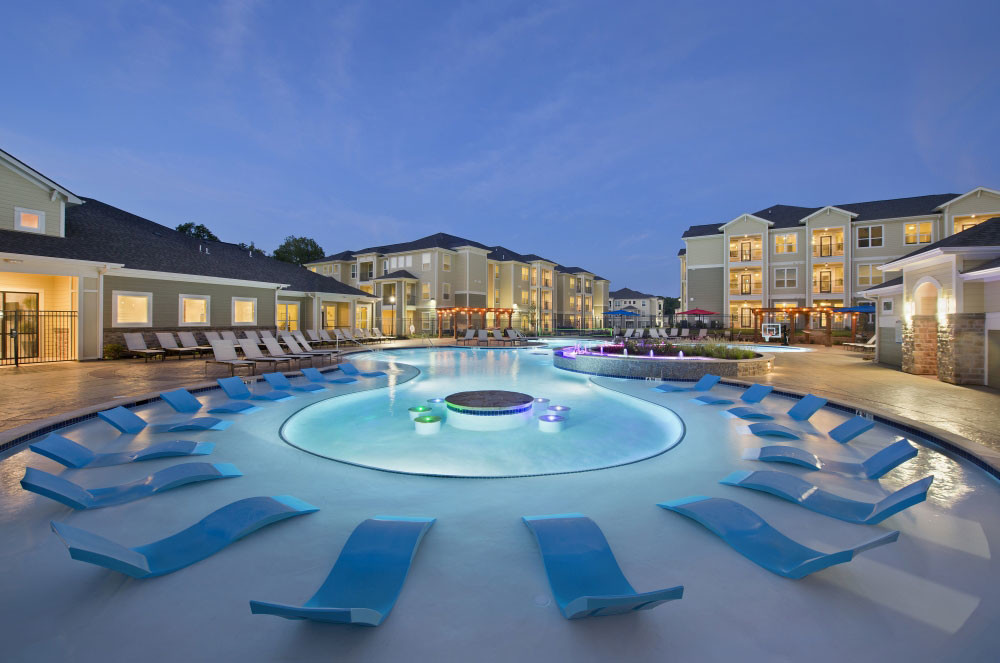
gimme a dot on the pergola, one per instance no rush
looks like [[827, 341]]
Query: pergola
[[793, 312], [468, 311]]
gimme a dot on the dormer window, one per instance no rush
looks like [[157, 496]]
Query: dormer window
[[29, 220]]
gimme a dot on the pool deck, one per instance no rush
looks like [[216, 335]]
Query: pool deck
[[29, 395]]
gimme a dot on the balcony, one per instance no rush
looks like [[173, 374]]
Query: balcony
[[736, 288], [746, 255], [828, 250], [823, 286]]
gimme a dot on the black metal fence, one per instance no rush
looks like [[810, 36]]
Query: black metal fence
[[33, 337]]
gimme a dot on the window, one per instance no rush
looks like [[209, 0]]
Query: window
[[354, 270], [29, 220], [336, 270], [446, 263], [869, 275], [918, 233], [786, 277], [425, 262], [524, 297], [244, 310], [192, 310], [288, 316], [385, 267], [131, 309], [572, 284], [425, 291], [572, 300], [887, 306], [525, 274], [425, 322], [869, 237], [785, 243], [445, 291], [409, 261]]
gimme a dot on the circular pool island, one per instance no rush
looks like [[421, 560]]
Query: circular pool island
[[595, 362], [489, 409]]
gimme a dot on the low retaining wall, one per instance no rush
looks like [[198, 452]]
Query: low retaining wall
[[616, 366]]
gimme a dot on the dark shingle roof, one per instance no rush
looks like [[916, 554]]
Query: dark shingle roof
[[503, 254], [992, 264], [986, 233], [886, 284], [343, 255], [682, 252], [435, 241], [628, 293], [785, 216], [703, 229], [98, 232], [398, 274]]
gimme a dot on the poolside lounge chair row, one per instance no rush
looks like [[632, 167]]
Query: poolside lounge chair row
[[486, 337], [661, 334]]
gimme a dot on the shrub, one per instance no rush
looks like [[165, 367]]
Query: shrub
[[114, 350]]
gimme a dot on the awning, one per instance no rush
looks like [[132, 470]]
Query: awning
[[622, 312], [855, 309]]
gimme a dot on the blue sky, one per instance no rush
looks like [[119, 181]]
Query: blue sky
[[590, 132]]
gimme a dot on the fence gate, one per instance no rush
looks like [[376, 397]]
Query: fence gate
[[31, 337]]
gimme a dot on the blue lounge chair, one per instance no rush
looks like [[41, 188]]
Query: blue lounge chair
[[753, 394], [873, 467], [184, 401], [74, 496], [203, 539], [128, 422], [313, 375], [349, 369], [367, 578], [851, 428], [754, 538], [279, 381], [765, 429], [806, 407], [69, 453], [704, 384], [237, 390], [585, 578], [797, 490]]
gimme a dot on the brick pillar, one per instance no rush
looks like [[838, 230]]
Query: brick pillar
[[961, 348], [920, 345]]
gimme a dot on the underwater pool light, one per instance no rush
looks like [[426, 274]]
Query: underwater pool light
[[551, 423], [418, 410]]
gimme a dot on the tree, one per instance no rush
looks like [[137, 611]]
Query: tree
[[197, 230], [299, 250], [671, 304], [253, 250]]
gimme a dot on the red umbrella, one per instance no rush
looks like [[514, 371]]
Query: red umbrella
[[697, 311]]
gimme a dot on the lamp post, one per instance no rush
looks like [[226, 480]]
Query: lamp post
[[392, 303]]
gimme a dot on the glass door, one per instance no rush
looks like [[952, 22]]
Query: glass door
[[746, 284], [20, 314], [825, 246], [825, 281], [746, 251]]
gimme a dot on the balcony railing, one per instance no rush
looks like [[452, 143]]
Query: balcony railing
[[828, 250], [744, 289], [746, 255], [824, 286]]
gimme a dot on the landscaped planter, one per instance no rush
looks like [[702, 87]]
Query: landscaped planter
[[663, 368]]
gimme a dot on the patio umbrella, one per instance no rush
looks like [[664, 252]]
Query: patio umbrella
[[620, 312]]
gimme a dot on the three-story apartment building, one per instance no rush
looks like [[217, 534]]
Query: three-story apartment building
[[787, 256], [649, 308], [413, 280]]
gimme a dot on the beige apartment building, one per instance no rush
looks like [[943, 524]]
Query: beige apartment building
[[414, 280], [788, 256], [648, 308]]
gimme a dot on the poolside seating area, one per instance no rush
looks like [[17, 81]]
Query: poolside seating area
[[496, 337]]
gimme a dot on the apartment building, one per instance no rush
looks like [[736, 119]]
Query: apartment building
[[787, 256], [413, 280], [649, 308]]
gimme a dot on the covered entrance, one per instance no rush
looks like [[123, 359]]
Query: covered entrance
[[38, 320]]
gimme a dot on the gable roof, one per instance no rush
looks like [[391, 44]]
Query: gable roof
[[986, 233], [99, 232], [26, 170], [682, 252], [435, 241], [992, 264], [398, 274], [884, 285], [978, 190], [628, 293]]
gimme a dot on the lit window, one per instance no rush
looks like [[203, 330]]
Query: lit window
[[425, 291], [524, 297], [869, 237], [29, 220], [525, 275], [288, 316], [446, 263], [786, 277], [131, 309], [868, 275], [425, 262], [785, 243], [918, 233], [193, 310], [244, 310]]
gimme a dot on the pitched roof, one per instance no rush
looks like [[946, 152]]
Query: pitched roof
[[435, 241], [885, 284], [986, 233], [98, 232], [992, 264], [628, 293], [682, 252], [32, 173], [398, 274], [702, 230]]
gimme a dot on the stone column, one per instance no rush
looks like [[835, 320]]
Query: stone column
[[961, 348], [920, 345]]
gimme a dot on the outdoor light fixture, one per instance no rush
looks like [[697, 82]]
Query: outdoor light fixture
[[427, 425], [551, 423], [418, 411]]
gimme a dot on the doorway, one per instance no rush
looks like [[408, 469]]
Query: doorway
[[20, 315]]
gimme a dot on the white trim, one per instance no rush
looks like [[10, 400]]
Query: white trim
[[707, 266], [747, 217], [18, 211], [35, 177], [180, 311], [918, 243], [232, 311], [62, 217], [775, 234], [979, 190], [129, 293], [785, 279], [857, 237], [805, 220], [881, 309], [190, 278], [874, 269]]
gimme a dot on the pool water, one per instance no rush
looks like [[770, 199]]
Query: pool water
[[373, 428]]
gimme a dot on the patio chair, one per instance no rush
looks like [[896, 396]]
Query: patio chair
[[203, 539], [704, 384], [252, 335], [754, 394], [843, 433], [129, 423], [184, 401], [628, 334], [313, 375], [702, 334], [293, 348], [367, 577], [323, 334], [362, 335], [499, 338], [380, 336], [279, 381], [583, 573], [805, 408], [274, 350], [266, 334], [674, 333], [236, 389], [872, 467], [189, 341], [470, 335], [514, 338], [77, 497], [799, 491], [654, 333], [136, 345], [252, 352], [224, 353], [169, 344], [349, 369], [860, 347], [754, 538], [315, 338], [229, 335], [212, 336], [350, 337], [306, 348], [482, 337], [685, 332], [67, 452]]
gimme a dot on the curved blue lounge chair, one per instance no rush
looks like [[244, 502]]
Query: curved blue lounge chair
[[585, 578], [754, 538], [129, 423], [704, 384], [203, 539], [237, 390], [806, 407], [279, 381], [69, 453], [349, 369], [753, 394], [766, 429], [184, 401], [76, 497], [851, 428], [313, 375], [873, 467], [712, 400], [798, 490], [367, 578]]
